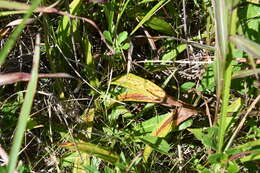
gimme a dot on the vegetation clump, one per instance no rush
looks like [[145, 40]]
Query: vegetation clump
[[129, 86]]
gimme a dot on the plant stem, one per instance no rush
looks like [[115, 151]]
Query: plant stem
[[225, 100]]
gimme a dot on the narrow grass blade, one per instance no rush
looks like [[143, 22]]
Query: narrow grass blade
[[64, 29], [12, 39], [243, 147], [241, 123], [14, 5], [245, 73], [253, 156], [246, 45], [148, 15], [221, 19], [25, 110], [221, 12], [254, 1], [7, 13], [223, 66]]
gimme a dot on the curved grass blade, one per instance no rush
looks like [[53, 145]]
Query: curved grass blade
[[26, 109], [148, 15]]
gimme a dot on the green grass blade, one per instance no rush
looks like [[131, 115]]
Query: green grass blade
[[64, 29], [148, 15], [7, 13], [221, 12], [121, 13], [14, 5], [224, 106], [25, 110], [243, 147], [223, 67], [245, 73], [246, 45], [12, 39], [221, 19]]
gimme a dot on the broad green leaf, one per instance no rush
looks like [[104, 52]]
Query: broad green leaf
[[148, 15], [88, 117], [246, 45], [137, 83], [221, 17], [137, 96], [217, 158], [234, 107], [161, 130], [119, 110], [125, 46], [187, 86], [207, 136], [168, 124], [122, 37], [232, 167], [148, 125], [174, 53], [92, 149], [108, 36], [142, 90], [160, 25], [208, 82], [184, 125], [79, 163], [252, 21], [157, 143], [68, 159]]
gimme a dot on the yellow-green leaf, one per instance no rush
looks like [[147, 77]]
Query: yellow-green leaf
[[92, 149], [234, 107], [168, 124], [142, 90]]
